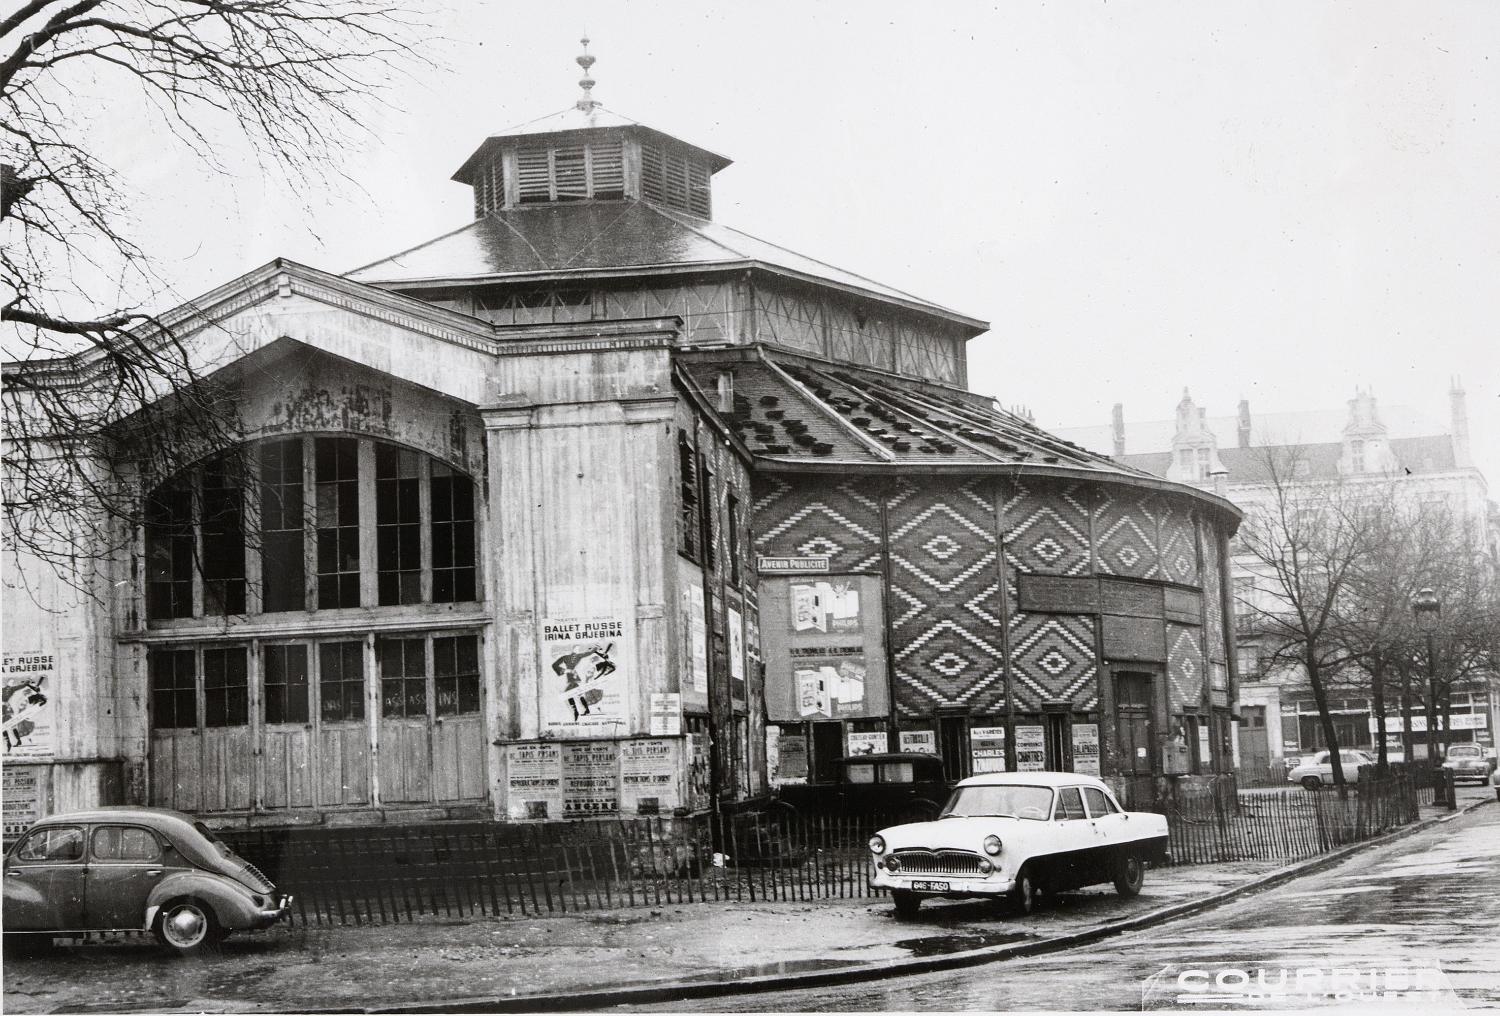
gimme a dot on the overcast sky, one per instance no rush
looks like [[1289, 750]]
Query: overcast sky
[[1274, 201]]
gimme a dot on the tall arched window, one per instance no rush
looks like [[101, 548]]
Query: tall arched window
[[310, 523]]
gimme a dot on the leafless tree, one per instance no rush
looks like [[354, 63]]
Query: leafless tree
[[1306, 539], [93, 377]]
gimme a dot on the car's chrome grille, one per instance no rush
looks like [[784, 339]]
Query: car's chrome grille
[[938, 862]]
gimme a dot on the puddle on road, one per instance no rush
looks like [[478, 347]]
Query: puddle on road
[[943, 945]]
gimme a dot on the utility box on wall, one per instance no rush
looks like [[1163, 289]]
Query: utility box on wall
[[1175, 758]]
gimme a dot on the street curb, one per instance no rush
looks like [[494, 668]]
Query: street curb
[[642, 994]]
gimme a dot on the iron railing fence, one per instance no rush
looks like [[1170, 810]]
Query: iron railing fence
[[387, 874]]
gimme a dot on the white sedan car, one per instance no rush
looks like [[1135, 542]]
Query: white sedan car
[[1008, 835], [1317, 772]]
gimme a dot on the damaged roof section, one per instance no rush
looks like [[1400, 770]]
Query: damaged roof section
[[795, 410]]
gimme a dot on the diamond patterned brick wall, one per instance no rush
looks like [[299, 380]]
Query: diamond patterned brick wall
[[1053, 658], [1126, 527], [1185, 670], [1179, 552], [812, 518], [1046, 527], [944, 598], [1213, 591]]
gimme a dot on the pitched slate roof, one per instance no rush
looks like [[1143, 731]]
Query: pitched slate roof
[[1433, 454], [591, 239], [797, 413]]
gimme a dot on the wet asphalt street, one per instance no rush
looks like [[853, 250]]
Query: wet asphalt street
[[1411, 926]]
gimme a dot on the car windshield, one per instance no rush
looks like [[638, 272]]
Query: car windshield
[[1005, 799]]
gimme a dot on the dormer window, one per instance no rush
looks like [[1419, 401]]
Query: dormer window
[[576, 172]]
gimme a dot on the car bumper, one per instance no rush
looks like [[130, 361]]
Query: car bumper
[[993, 884], [281, 912]]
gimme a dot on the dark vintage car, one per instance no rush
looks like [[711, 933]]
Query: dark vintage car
[[900, 784], [133, 869]]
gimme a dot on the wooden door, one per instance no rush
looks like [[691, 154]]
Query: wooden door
[[953, 743], [286, 726], [1133, 723], [458, 742], [1255, 747], [404, 744], [342, 733], [176, 744]]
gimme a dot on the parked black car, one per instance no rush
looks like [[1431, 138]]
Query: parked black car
[[904, 785]]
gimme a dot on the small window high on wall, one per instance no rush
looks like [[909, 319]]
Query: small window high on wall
[[342, 523]]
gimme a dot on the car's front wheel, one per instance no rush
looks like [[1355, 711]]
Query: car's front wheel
[[907, 903], [1130, 875], [188, 926], [1312, 782], [1023, 896]]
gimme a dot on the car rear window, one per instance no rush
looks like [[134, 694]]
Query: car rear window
[[896, 772], [1099, 804], [123, 843]]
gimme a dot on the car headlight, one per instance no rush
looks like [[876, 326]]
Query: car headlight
[[985, 867], [877, 844], [992, 845], [893, 864]]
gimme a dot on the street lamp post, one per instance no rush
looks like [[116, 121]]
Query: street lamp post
[[1428, 609]]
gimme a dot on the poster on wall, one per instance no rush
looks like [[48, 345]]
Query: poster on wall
[[823, 649], [583, 661], [737, 651], [648, 777], [22, 790], [1031, 749], [791, 757], [697, 629], [666, 714], [868, 743], [1205, 759], [988, 747], [30, 684], [533, 781], [1086, 748], [924, 741], [830, 681], [827, 605], [590, 778]]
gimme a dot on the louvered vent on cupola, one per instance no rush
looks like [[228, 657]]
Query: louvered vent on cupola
[[489, 187], [576, 172], [675, 181]]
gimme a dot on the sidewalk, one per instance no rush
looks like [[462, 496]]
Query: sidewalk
[[435, 959]]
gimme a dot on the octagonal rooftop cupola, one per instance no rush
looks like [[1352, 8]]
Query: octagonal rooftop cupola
[[589, 153]]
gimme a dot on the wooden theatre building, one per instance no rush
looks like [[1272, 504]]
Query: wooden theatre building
[[598, 506]]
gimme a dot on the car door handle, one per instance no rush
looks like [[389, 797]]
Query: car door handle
[[153, 871]]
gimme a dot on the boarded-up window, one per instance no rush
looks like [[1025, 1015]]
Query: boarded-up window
[[398, 525], [226, 688], [285, 687], [452, 536], [174, 688], [282, 566], [455, 669]]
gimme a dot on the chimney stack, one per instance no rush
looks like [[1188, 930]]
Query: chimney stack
[[1118, 428], [1459, 410], [1244, 423]]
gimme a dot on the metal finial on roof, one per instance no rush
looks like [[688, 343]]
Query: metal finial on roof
[[586, 102]]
